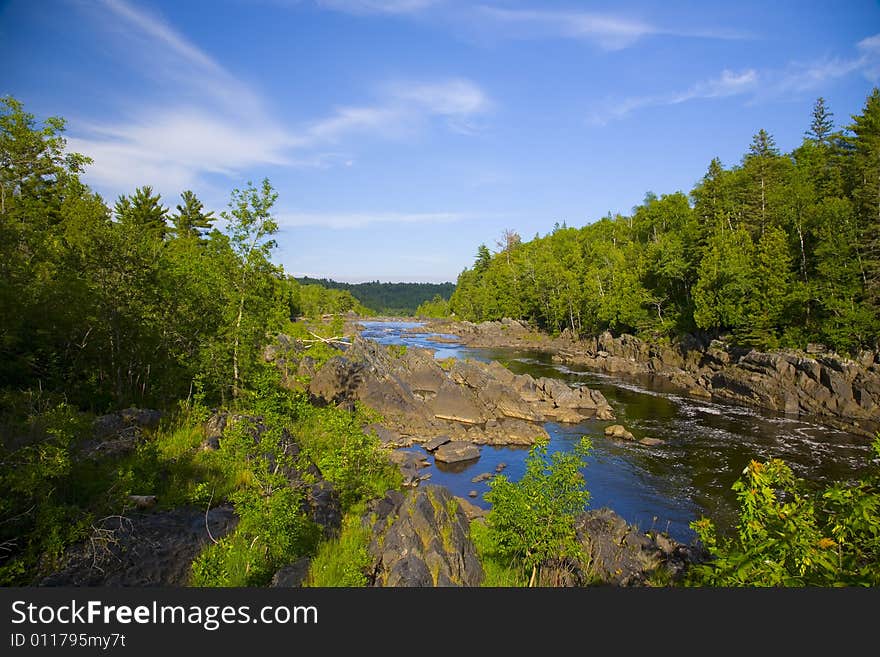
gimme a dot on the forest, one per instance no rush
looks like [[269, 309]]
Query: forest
[[777, 250], [395, 299]]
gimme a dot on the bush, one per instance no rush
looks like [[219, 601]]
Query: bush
[[532, 520], [791, 535]]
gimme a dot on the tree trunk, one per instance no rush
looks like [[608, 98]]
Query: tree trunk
[[235, 344]]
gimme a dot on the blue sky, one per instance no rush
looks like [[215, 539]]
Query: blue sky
[[401, 134]]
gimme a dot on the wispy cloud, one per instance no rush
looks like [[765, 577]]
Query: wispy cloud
[[210, 122], [729, 83], [361, 219], [796, 78], [379, 6], [608, 31], [402, 108]]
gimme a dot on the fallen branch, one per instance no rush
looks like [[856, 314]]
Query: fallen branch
[[337, 339]]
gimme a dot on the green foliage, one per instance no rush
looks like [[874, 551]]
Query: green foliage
[[532, 520], [314, 300], [395, 299], [273, 531], [437, 307], [343, 561], [53, 490], [347, 456], [791, 535]]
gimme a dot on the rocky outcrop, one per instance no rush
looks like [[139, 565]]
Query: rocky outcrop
[[152, 549], [618, 554], [120, 432], [476, 402], [826, 387], [422, 538], [841, 392]]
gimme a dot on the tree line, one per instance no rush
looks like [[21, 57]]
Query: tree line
[[397, 299], [778, 250]]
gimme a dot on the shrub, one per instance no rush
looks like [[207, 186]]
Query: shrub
[[532, 520]]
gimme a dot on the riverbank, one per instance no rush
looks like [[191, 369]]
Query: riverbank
[[826, 388]]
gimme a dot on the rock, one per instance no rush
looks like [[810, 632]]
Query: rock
[[421, 538], [116, 423], [481, 477], [471, 510], [620, 555], [119, 433], [337, 381], [155, 549], [651, 442], [618, 431], [500, 467], [436, 442], [293, 575], [455, 451], [472, 493]]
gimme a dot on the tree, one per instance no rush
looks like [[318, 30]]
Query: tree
[[32, 159], [484, 259], [724, 281], [822, 125], [761, 167], [250, 225], [190, 219], [766, 304], [533, 520], [142, 210]]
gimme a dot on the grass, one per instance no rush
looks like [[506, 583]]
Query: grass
[[343, 561], [496, 572]]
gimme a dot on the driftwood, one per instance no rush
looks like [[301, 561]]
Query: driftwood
[[336, 339]]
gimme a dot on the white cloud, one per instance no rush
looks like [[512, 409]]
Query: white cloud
[[361, 219], [727, 84], [796, 78], [210, 122], [169, 150], [379, 6], [401, 109], [609, 32]]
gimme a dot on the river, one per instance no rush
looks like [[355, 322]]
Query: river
[[707, 444]]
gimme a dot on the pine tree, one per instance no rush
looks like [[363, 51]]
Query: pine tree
[[760, 167], [822, 125], [142, 210], [190, 219]]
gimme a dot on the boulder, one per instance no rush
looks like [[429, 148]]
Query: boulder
[[618, 431], [621, 555], [421, 538], [436, 442], [456, 451]]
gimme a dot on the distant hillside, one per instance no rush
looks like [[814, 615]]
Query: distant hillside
[[388, 298]]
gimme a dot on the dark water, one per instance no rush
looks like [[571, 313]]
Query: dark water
[[707, 444]]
